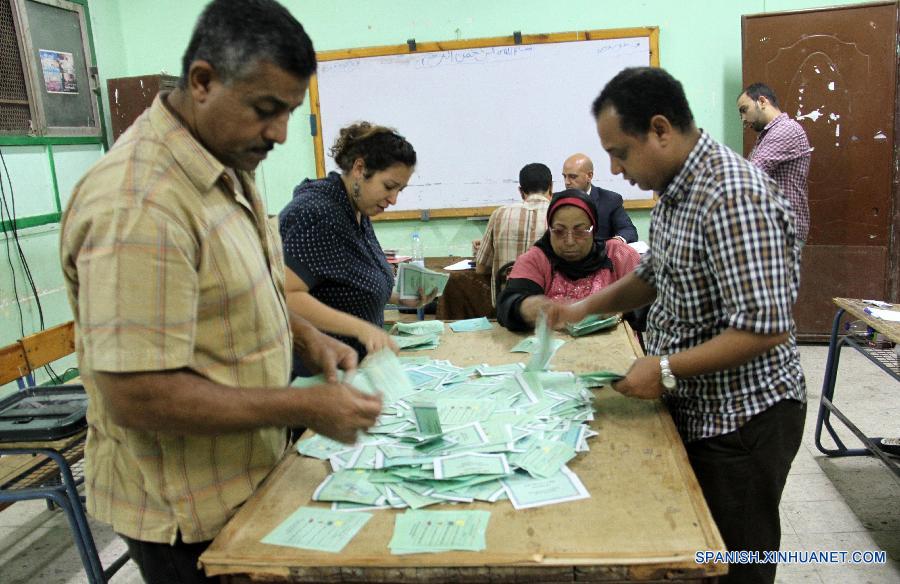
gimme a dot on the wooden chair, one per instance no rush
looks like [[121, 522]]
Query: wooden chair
[[500, 279], [48, 470], [13, 364], [49, 345]]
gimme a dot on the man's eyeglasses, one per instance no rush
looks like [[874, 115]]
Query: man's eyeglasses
[[577, 233]]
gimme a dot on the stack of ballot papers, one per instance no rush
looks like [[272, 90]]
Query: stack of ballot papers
[[412, 278], [461, 434], [599, 378], [418, 336], [591, 324]]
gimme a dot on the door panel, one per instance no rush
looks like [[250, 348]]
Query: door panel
[[834, 71]]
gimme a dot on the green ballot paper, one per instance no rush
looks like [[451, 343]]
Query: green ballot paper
[[351, 486], [417, 342], [543, 458], [412, 278], [458, 465], [591, 324], [525, 491], [422, 327], [384, 373], [320, 447], [600, 378], [427, 419], [322, 530], [470, 325], [439, 531]]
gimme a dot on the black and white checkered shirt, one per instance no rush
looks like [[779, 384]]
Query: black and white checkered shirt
[[723, 255]]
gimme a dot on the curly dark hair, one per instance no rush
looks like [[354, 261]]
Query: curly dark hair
[[378, 146]]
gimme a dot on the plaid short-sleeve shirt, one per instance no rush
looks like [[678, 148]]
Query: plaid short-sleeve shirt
[[782, 150], [511, 230], [169, 266], [722, 255]]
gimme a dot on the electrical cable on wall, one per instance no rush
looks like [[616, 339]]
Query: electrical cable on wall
[[8, 214]]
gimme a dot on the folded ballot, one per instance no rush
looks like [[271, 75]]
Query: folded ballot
[[591, 324]]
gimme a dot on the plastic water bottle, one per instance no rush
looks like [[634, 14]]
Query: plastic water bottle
[[418, 250], [418, 259]]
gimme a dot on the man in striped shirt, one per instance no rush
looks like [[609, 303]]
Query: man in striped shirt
[[512, 229], [782, 149], [722, 277]]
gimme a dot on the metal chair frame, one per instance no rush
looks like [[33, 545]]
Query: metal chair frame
[[35, 482]]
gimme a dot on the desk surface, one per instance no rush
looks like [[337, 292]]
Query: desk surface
[[857, 307], [645, 519]]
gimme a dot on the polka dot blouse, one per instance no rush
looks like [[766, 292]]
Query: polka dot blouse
[[339, 259]]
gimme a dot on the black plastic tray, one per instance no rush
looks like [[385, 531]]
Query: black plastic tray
[[43, 413]]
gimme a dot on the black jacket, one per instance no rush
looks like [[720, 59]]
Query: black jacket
[[612, 219]]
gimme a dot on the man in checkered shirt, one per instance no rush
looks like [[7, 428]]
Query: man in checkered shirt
[[722, 276], [782, 149]]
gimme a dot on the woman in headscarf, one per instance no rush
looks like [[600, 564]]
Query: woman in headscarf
[[566, 263]]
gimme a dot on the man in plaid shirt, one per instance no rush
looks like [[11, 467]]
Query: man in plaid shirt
[[175, 277], [512, 229], [782, 149], [722, 277]]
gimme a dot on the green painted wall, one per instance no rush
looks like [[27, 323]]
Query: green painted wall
[[700, 43]]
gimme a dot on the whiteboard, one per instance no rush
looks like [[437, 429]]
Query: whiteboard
[[476, 115]]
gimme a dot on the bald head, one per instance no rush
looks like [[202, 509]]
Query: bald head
[[578, 170]]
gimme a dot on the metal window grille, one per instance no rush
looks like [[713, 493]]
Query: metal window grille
[[15, 110]]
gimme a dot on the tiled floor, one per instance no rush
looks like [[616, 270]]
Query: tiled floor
[[829, 504]]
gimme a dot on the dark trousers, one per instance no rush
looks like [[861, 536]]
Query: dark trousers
[[742, 475], [161, 563]]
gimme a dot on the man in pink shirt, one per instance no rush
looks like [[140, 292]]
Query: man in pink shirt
[[782, 149]]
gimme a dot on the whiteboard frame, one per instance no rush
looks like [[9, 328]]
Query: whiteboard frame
[[650, 32]]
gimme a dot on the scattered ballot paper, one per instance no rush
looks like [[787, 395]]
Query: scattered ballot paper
[[525, 491], [546, 345], [544, 458], [458, 434], [411, 278], [439, 531], [380, 372], [474, 463], [317, 529], [471, 325]]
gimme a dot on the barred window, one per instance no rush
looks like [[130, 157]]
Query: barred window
[[15, 109], [48, 84]]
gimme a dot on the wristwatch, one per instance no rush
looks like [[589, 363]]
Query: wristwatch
[[666, 377]]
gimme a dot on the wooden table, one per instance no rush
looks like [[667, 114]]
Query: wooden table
[[645, 520], [467, 295], [885, 358]]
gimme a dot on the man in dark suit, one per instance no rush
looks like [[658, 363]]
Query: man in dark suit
[[612, 220]]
